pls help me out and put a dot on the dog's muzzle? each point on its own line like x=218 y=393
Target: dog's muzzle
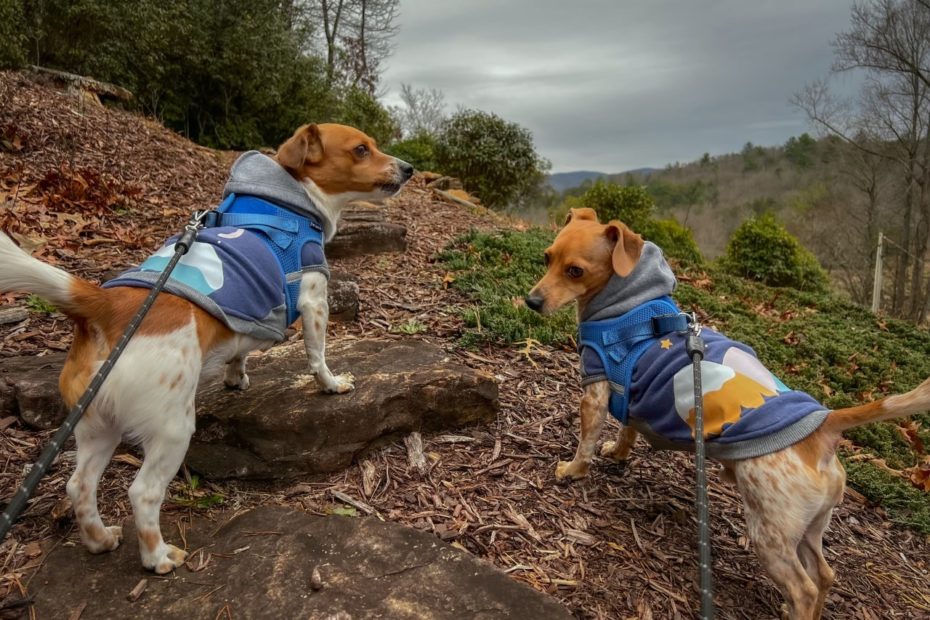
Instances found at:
x=535 y=302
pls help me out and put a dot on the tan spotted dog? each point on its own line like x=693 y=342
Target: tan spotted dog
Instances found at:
x=777 y=445
x=214 y=313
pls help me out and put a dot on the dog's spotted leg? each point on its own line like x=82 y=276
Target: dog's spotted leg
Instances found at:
x=780 y=500
x=95 y=447
x=164 y=454
x=810 y=552
x=235 y=374
x=593 y=414
x=620 y=450
x=314 y=312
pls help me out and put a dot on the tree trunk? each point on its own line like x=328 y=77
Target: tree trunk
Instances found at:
x=331 y=30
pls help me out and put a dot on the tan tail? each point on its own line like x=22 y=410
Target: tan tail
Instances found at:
x=20 y=272
x=915 y=401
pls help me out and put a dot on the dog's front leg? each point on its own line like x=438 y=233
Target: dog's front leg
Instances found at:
x=314 y=313
x=593 y=412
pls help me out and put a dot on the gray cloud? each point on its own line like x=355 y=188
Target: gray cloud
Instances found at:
x=611 y=86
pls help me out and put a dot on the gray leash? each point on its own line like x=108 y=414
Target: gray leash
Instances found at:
x=25 y=491
x=695 y=346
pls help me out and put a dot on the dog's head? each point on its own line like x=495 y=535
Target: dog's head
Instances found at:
x=581 y=260
x=342 y=163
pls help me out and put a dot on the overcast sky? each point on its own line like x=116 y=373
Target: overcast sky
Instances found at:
x=614 y=85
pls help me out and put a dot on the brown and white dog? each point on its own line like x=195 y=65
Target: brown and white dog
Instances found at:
x=788 y=495
x=149 y=396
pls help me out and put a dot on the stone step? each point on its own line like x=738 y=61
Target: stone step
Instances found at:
x=364 y=230
x=284 y=426
x=261 y=564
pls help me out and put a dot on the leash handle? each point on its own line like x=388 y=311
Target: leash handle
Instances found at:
x=28 y=487
x=694 y=344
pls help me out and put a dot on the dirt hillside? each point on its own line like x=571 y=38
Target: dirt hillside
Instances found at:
x=94 y=189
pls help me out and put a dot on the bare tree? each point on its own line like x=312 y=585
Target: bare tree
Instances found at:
x=424 y=110
x=890 y=41
x=369 y=40
x=355 y=39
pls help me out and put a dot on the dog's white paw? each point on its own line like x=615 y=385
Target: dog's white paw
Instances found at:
x=165 y=559
x=237 y=382
x=241 y=383
x=108 y=540
x=342 y=384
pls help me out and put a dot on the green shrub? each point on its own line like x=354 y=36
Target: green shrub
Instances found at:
x=761 y=249
x=497 y=270
x=675 y=240
x=360 y=110
x=631 y=204
x=418 y=151
x=495 y=159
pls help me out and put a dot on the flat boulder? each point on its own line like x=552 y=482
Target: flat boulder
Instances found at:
x=283 y=425
x=276 y=562
x=364 y=230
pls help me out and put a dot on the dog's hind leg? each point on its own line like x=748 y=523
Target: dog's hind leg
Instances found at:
x=236 y=377
x=164 y=448
x=620 y=450
x=810 y=551
x=781 y=502
x=95 y=446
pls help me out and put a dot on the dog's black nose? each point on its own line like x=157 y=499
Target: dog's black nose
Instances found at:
x=534 y=302
x=405 y=169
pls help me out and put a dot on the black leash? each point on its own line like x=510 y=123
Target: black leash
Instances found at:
x=695 y=347
x=25 y=491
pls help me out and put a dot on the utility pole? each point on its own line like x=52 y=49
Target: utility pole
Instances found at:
x=877 y=282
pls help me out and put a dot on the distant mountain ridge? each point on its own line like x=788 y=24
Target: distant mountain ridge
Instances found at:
x=561 y=181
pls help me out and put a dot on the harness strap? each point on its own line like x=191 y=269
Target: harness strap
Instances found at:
x=280 y=226
x=620 y=342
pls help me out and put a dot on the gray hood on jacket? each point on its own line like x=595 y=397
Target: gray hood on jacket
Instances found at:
x=651 y=278
x=256 y=174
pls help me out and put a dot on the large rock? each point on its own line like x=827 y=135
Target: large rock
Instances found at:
x=364 y=230
x=29 y=388
x=284 y=426
x=261 y=565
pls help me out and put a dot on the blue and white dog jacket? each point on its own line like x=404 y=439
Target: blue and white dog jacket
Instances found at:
x=246 y=265
x=641 y=352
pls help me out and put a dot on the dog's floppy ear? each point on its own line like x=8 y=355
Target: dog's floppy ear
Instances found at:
x=304 y=145
x=581 y=214
x=628 y=246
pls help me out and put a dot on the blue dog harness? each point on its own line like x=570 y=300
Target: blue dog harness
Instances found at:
x=246 y=266
x=618 y=343
x=748 y=412
x=296 y=240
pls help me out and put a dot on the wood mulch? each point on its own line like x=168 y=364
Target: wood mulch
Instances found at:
x=617 y=545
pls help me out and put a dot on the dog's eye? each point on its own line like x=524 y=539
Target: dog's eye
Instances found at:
x=361 y=151
x=574 y=272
